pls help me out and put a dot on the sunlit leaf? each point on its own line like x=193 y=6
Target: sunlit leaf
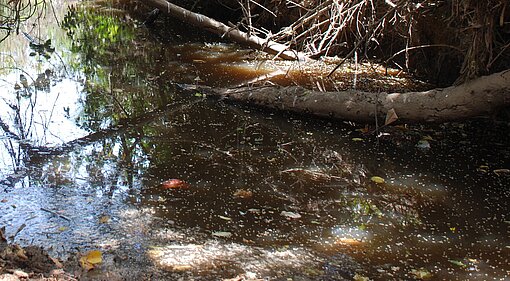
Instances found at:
x=357 y=139
x=243 y=193
x=421 y=273
x=391 y=116
x=377 y=179
x=359 y=277
x=225 y=218
x=182 y=267
x=291 y=215
x=91 y=259
x=348 y=241
x=483 y=168
x=224 y=234
x=457 y=263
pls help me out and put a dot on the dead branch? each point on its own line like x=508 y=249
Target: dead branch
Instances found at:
x=223 y=30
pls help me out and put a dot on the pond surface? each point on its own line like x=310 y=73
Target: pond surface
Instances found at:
x=94 y=122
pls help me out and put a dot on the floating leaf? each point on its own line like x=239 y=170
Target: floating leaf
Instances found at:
x=291 y=215
x=348 y=241
x=183 y=267
x=243 y=193
x=421 y=273
x=224 y=234
x=501 y=172
x=91 y=259
x=391 y=116
x=358 y=277
x=457 y=263
x=423 y=144
x=175 y=184
x=377 y=179
x=427 y=137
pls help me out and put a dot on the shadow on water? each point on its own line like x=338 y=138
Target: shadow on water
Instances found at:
x=93 y=124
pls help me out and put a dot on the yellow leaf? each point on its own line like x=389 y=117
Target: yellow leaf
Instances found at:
x=91 y=259
x=62 y=228
x=357 y=139
x=359 y=277
x=94 y=257
x=377 y=179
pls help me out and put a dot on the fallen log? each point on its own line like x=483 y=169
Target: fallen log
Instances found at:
x=481 y=96
x=232 y=33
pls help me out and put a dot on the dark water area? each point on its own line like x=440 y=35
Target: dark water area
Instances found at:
x=92 y=129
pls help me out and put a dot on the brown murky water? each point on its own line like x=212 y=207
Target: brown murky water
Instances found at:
x=270 y=195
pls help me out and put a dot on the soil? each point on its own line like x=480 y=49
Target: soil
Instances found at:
x=29 y=263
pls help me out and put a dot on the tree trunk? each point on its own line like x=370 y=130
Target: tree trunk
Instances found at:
x=223 y=30
x=481 y=96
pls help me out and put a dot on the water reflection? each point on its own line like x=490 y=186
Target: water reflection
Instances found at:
x=93 y=131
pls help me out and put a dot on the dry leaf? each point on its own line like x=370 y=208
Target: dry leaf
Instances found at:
x=175 y=184
x=243 y=193
x=91 y=259
x=104 y=219
x=391 y=116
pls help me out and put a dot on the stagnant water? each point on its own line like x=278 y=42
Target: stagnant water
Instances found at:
x=93 y=122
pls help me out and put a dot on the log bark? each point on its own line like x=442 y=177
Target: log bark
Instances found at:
x=223 y=30
x=481 y=96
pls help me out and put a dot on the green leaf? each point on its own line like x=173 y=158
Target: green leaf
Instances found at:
x=458 y=263
x=377 y=179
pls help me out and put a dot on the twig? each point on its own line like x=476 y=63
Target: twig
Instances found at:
x=56 y=214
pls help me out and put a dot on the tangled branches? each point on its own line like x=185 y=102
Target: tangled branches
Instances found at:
x=461 y=39
x=14 y=12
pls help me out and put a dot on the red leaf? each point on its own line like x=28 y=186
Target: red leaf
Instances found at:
x=175 y=184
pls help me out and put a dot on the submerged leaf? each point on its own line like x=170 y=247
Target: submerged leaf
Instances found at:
x=423 y=144
x=377 y=179
x=243 y=193
x=421 y=273
x=358 y=277
x=291 y=215
x=458 y=263
x=225 y=234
